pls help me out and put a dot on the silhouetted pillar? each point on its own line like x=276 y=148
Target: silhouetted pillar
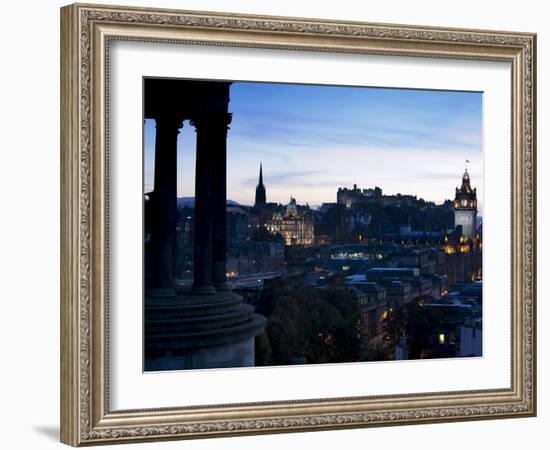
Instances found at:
x=164 y=197
x=203 y=257
x=219 y=124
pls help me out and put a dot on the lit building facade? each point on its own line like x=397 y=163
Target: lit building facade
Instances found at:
x=295 y=224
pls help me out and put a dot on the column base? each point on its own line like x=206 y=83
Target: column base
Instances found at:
x=160 y=292
x=203 y=290
x=221 y=287
x=200 y=332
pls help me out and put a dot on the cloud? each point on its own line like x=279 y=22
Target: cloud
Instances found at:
x=285 y=178
x=423 y=172
x=309 y=133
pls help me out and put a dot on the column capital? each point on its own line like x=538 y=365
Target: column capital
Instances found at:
x=167 y=121
x=208 y=119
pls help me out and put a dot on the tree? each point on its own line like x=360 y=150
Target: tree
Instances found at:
x=263 y=350
x=348 y=332
x=374 y=350
x=320 y=325
x=417 y=323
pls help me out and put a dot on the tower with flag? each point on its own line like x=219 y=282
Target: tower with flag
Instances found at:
x=465 y=207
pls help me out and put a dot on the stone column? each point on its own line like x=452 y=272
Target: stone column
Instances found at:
x=203 y=229
x=219 y=126
x=164 y=199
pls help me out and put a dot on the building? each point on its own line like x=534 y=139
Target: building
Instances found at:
x=373 y=306
x=470 y=340
x=332 y=225
x=238 y=225
x=295 y=224
x=465 y=207
x=256 y=257
x=184 y=243
x=350 y=197
x=355 y=196
x=439 y=285
x=398 y=292
x=463 y=258
x=460 y=329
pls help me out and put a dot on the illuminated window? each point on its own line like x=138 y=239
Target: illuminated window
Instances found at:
x=442 y=338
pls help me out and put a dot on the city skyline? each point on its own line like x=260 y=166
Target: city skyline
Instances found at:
x=369 y=276
x=313 y=139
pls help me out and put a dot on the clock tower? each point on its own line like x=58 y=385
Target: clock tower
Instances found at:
x=465 y=207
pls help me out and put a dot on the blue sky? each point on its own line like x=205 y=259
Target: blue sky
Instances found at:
x=313 y=139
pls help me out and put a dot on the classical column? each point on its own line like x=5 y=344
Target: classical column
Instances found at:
x=204 y=197
x=219 y=126
x=163 y=234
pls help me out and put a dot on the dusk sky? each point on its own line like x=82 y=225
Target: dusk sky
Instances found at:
x=313 y=139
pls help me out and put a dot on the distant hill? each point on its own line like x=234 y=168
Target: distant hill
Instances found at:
x=185 y=201
x=190 y=202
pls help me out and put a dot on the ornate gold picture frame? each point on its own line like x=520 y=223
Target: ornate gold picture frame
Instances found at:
x=87 y=32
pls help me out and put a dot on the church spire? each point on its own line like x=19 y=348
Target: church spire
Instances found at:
x=260 y=190
x=261 y=180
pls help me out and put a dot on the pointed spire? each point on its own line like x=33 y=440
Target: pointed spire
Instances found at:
x=261 y=180
x=260 y=199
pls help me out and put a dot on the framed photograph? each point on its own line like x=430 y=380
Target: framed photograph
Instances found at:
x=275 y=224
